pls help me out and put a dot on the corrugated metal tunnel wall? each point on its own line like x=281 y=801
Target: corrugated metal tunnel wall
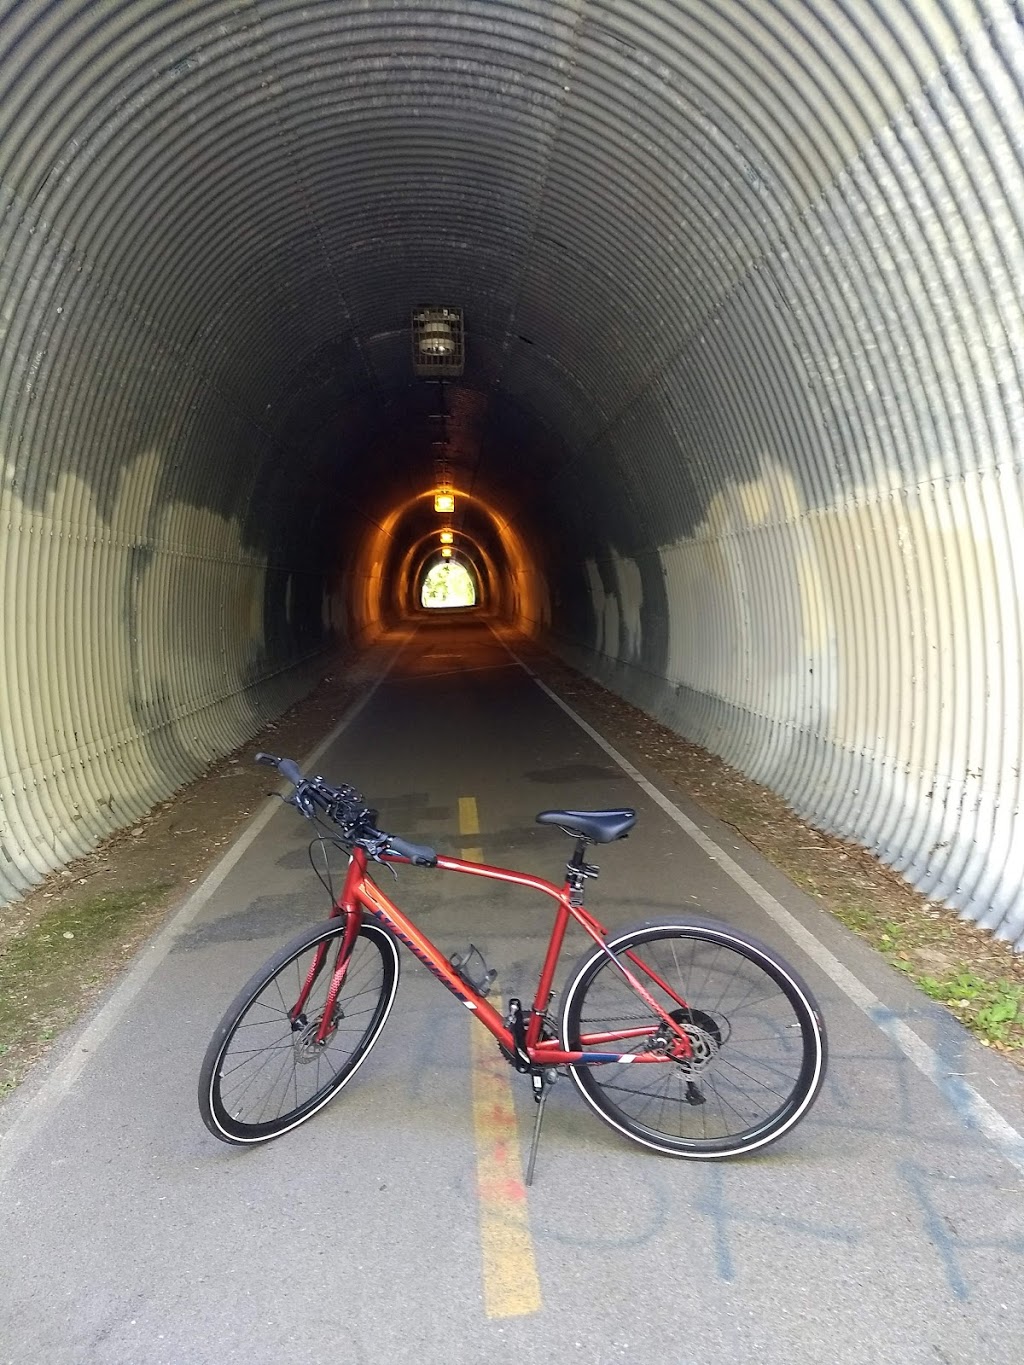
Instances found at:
x=739 y=429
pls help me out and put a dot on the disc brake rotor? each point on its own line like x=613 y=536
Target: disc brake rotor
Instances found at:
x=306 y=1045
x=706 y=1035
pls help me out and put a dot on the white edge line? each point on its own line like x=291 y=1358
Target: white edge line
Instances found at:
x=973 y=1108
x=67 y=1071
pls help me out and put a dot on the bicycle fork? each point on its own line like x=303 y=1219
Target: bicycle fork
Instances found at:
x=297 y=1013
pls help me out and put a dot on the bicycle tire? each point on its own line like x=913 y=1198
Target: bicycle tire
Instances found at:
x=238 y=1085
x=748 y=1010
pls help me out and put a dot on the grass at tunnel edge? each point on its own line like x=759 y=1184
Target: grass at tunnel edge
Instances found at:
x=72 y=936
x=979 y=980
x=54 y=966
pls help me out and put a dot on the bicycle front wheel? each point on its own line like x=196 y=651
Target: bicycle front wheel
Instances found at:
x=265 y=1072
x=757 y=1039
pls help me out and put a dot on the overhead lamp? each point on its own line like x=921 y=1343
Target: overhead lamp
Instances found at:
x=444 y=501
x=437 y=343
x=447 y=537
x=436 y=339
x=446 y=552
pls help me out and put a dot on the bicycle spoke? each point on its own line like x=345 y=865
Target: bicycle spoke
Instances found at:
x=271 y=1070
x=750 y=1043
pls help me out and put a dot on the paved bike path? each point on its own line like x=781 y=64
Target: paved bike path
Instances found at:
x=882 y=1229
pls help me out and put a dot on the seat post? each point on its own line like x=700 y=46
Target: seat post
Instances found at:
x=577 y=871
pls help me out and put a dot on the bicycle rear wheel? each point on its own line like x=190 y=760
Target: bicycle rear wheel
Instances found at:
x=264 y=1073
x=759 y=1049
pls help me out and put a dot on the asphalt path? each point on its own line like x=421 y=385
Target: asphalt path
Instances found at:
x=887 y=1227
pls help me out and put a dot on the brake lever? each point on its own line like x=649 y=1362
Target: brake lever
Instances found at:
x=375 y=850
x=304 y=807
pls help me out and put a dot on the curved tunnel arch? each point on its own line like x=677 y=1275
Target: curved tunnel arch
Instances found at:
x=389 y=560
x=739 y=431
x=489 y=578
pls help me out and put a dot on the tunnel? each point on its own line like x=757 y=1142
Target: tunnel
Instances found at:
x=733 y=426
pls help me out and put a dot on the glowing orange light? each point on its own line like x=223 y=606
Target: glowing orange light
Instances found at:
x=444 y=502
x=447 y=537
x=510 y=582
x=446 y=552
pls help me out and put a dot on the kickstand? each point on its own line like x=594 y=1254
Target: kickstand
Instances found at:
x=542 y=1083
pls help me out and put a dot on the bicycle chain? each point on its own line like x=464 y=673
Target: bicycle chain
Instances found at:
x=623 y=1019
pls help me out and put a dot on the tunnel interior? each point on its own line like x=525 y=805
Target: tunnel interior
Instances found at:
x=737 y=430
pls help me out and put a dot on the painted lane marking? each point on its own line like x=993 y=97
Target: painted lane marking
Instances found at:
x=471 y=855
x=469 y=817
x=508 y=1262
x=511 y=1284
x=971 y=1106
x=37 y=1108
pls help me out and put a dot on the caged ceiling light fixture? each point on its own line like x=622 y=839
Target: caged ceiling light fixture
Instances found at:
x=444 y=497
x=438 y=343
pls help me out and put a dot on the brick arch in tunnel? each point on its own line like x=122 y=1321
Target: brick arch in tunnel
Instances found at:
x=742 y=289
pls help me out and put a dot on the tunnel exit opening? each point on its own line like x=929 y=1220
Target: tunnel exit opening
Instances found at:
x=447 y=583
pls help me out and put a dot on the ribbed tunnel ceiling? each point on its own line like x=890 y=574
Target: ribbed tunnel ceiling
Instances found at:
x=738 y=432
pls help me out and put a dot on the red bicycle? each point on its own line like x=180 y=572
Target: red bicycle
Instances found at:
x=682 y=1033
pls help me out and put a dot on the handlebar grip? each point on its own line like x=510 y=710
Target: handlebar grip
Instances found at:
x=287 y=767
x=418 y=854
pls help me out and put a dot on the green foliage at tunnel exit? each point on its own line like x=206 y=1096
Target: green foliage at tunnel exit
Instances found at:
x=448 y=584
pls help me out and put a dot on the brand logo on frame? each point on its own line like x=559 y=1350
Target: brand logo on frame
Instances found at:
x=386 y=920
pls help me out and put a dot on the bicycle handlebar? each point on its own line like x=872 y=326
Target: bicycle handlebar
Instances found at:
x=419 y=854
x=345 y=807
x=287 y=767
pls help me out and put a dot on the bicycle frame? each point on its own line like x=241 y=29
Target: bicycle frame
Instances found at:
x=361 y=894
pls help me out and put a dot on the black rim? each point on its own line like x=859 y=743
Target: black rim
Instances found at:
x=269 y=1073
x=751 y=1032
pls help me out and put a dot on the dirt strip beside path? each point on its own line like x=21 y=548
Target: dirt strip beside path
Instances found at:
x=67 y=941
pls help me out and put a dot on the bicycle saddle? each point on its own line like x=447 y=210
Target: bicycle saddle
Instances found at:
x=599 y=826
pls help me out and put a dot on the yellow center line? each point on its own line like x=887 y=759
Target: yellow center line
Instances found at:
x=469 y=818
x=511 y=1285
